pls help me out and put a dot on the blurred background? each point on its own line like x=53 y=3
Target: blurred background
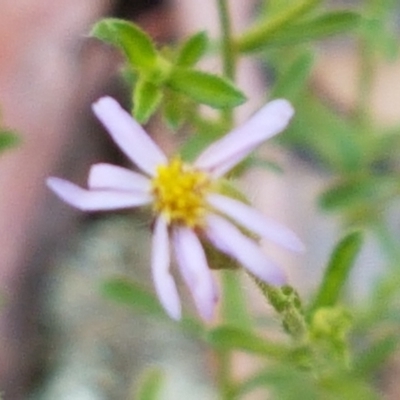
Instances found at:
x=59 y=338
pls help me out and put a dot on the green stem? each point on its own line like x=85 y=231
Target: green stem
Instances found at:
x=229 y=66
x=224 y=372
x=365 y=80
x=228 y=52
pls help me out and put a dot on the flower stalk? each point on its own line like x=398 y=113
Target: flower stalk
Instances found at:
x=228 y=51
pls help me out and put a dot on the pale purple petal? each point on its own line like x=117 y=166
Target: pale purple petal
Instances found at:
x=227 y=238
x=195 y=271
x=226 y=166
x=108 y=176
x=129 y=135
x=256 y=222
x=96 y=200
x=160 y=263
x=235 y=146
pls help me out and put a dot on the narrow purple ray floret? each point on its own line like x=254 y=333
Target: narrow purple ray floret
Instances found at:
x=185 y=204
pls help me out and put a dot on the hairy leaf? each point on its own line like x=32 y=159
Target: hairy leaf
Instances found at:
x=135 y=43
x=206 y=88
x=192 y=50
x=147 y=97
x=337 y=271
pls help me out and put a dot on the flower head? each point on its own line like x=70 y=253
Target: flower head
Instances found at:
x=186 y=203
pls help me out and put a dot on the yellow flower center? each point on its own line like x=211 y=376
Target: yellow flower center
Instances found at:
x=179 y=193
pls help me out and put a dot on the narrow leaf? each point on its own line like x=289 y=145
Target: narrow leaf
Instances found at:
x=284 y=382
x=328 y=24
x=192 y=50
x=206 y=88
x=359 y=192
x=274 y=7
x=293 y=79
x=147 y=97
x=378 y=36
x=339 y=267
x=257 y=36
x=372 y=358
x=329 y=137
x=135 y=43
x=132 y=294
x=228 y=337
x=150 y=385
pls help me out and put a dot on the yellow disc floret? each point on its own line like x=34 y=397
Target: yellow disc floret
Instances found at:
x=179 y=193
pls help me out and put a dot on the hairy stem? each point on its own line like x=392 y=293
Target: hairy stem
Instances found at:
x=365 y=79
x=227 y=50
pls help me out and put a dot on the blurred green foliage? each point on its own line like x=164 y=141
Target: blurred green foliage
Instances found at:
x=331 y=348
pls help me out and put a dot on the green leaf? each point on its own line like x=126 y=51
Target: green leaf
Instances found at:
x=290 y=83
x=274 y=7
x=357 y=192
x=328 y=24
x=150 y=385
x=129 y=76
x=147 y=97
x=337 y=272
x=8 y=139
x=379 y=27
x=258 y=35
x=229 y=337
x=269 y=165
x=219 y=260
x=284 y=382
x=345 y=194
x=371 y=359
x=329 y=137
x=206 y=88
x=345 y=386
x=378 y=38
x=132 y=294
x=135 y=43
x=192 y=50
x=234 y=308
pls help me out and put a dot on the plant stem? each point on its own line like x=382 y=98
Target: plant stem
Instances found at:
x=227 y=51
x=228 y=55
x=224 y=381
x=365 y=80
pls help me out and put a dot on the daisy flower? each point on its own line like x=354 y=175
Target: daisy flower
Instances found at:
x=186 y=203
